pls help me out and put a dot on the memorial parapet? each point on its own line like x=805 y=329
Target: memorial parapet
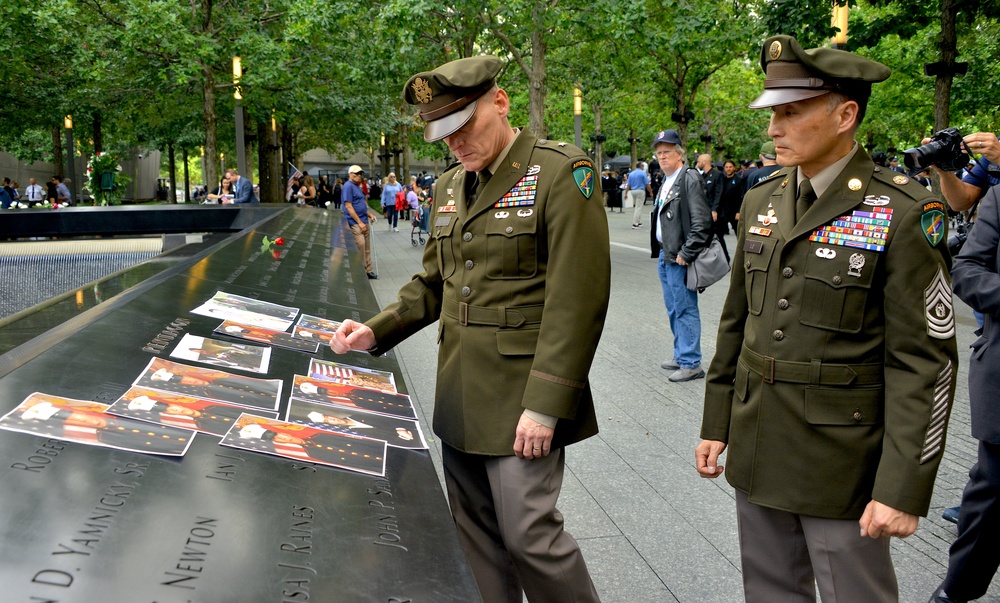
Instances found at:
x=83 y=523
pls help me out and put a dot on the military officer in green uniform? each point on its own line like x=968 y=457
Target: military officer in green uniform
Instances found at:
x=834 y=370
x=517 y=269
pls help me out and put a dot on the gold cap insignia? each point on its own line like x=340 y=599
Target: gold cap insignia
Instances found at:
x=900 y=179
x=854 y=184
x=775 y=50
x=422 y=91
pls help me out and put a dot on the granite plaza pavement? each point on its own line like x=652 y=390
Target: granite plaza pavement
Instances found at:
x=651 y=530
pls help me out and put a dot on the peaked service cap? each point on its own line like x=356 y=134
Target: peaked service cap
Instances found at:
x=447 y=96
x=795 y=74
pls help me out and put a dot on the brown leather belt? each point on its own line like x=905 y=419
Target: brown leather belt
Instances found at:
x=499 y=316
x=815 y=372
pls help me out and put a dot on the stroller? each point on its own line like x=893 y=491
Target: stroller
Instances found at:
x=420 y=227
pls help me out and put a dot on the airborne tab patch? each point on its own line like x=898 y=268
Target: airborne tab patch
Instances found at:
x=932 y=221
x=583 y=175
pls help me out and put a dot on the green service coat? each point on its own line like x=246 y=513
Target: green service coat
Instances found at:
x=834 y=371
x=536 y=279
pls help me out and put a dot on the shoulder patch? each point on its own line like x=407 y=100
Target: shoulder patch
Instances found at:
x=932 y=219
x=583 y=175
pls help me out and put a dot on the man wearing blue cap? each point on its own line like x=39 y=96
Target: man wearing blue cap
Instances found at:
x=681 y=228
x=517 y=269
x=834 y=371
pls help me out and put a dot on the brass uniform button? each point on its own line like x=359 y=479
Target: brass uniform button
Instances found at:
x=783 y=304
x=466 y=291
x=837 y=280
x=778 y=334
x=509 y=229
x=469 y=264
x=858 y=416
x=467 y=237
x=787 y=272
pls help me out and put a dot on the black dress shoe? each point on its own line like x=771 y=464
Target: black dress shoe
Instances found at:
x=951 y=514
x=372 y=276
x=939 y=597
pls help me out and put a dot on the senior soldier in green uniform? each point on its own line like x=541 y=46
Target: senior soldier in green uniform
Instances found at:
x=834 y=371
x=517 y=269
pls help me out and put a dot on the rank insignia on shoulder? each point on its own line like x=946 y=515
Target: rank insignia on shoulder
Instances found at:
x=933 y=220
x=876 y=201
x=583 y=175
x=900 y=179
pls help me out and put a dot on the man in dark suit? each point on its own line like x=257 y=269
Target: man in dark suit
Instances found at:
x=713 y=195
x=974 y=556
x=241 y=187
x=834 y=371
x=516 y=309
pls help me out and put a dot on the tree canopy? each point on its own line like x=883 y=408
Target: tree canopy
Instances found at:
x=157 y=73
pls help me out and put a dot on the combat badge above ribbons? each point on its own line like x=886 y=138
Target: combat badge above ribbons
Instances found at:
x=939 y=309
x=583 y=175
x=933 y=220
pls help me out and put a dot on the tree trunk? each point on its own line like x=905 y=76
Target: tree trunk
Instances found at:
x=404 y=140
x=598 y=145
x=248 y=140
x=634 y=150
x=57 y=154
x=98 y=143
x=942 y=86
x=268 y=164
x=172 y=163
x=208 y=117
x=187 y=177
x=536 y=80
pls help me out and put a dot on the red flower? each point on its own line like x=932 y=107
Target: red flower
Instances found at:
x=279 y=241
x=276 y=254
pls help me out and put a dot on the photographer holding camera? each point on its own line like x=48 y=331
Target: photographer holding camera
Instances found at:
x=962 y=193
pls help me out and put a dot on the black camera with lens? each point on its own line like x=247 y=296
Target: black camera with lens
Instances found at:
x=947 y=150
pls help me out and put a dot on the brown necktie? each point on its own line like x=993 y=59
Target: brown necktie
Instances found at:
x=805 y=199
x=482 y=178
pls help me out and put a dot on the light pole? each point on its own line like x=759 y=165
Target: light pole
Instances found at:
x=578 y=115
x=68 y=123
x=241 y=160
x=839 y=20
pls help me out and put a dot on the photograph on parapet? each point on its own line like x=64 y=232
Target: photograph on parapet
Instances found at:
x=241 y=356
x=352 y=375
x=316 y=323
x=281 y=339
x=307 y=334
x=199 y=382
x=89 y=423
x=308 y=445
x=248 y=311
x=207 y=416
x=352 y=396
x=396 y=431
